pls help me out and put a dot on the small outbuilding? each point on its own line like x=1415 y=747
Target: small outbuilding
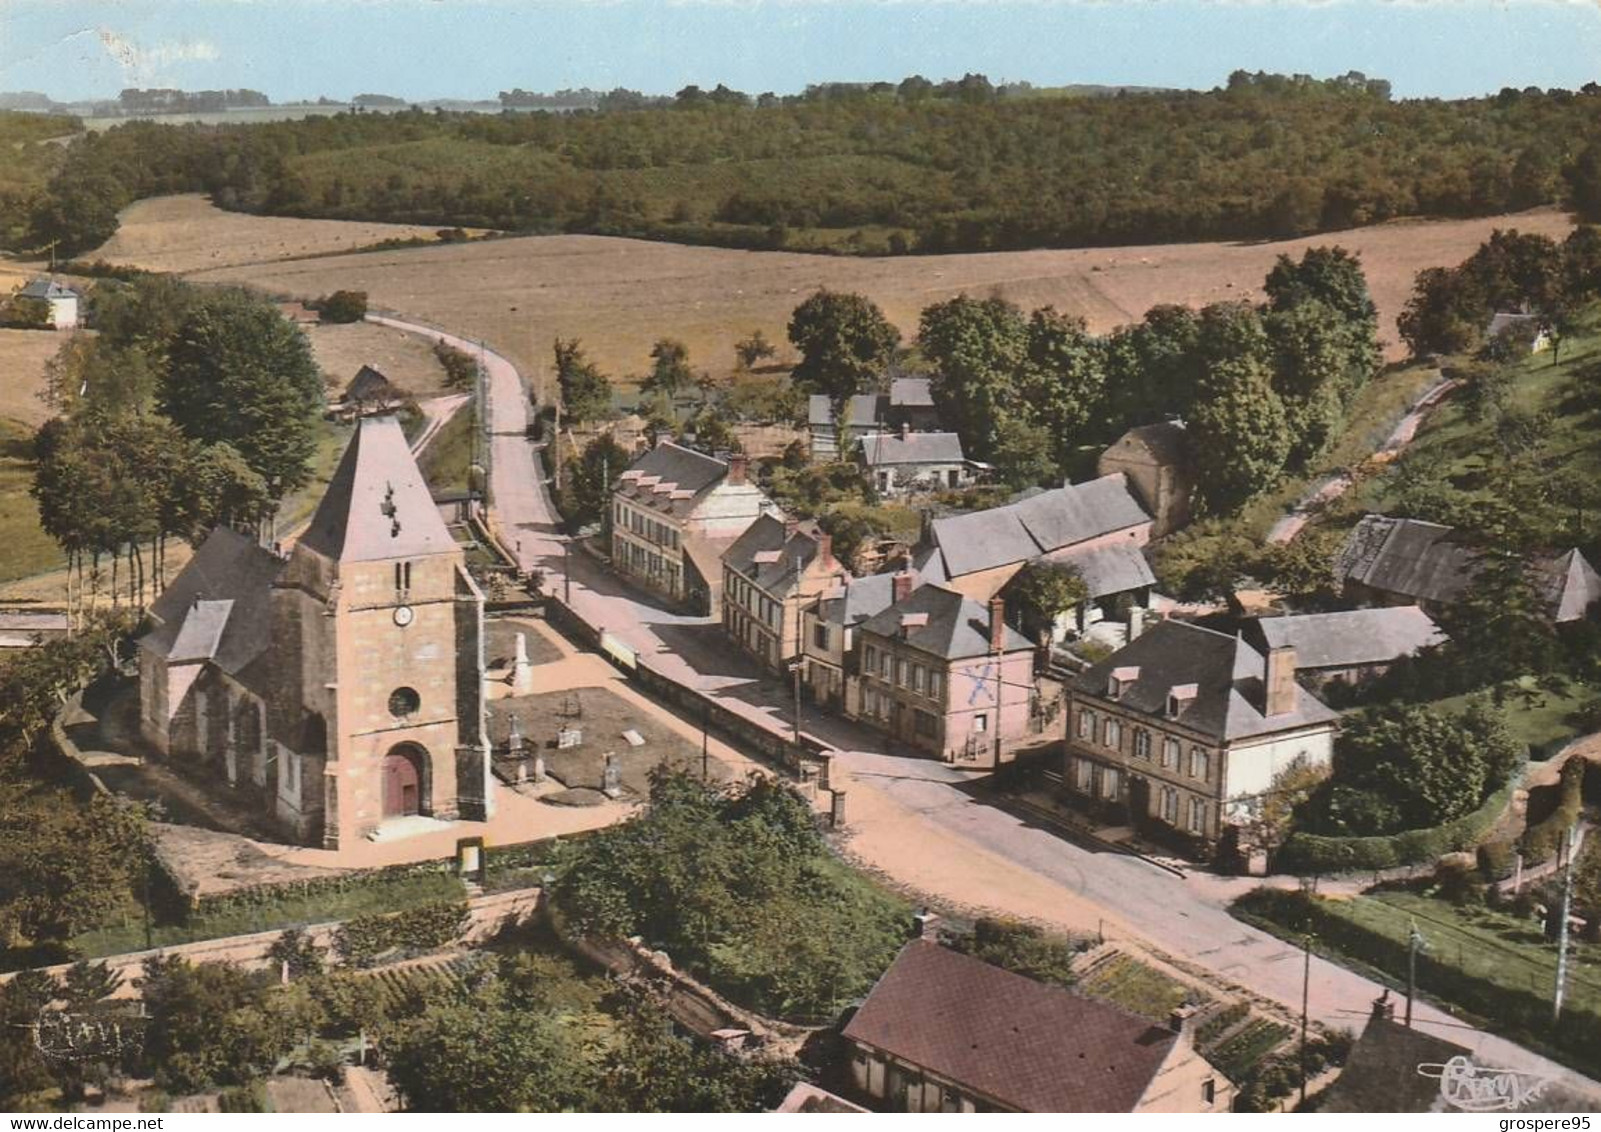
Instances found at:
x=60 y=301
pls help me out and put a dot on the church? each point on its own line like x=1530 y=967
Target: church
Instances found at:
x=338 y=686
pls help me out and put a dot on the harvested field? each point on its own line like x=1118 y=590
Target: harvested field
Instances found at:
x=620 y=295
x=23 y=354
x=405 y=359
x=187 y=233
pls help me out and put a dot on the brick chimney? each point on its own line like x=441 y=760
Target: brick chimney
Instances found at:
x=1280 y=682
x=1179 y=1020
x=925 y=925
x=1383 y=1007
x=738 y=464
x=901 y=586
x=825 y=551
x=906 y=429
x=997 y=625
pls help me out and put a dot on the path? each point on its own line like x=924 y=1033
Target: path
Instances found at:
x=923 y=823
x=438 y=411
x=1330 y=489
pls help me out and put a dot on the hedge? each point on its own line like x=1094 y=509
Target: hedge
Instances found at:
x=428 y=927
x=1510 y=1010
x=1308 y=854
x=1542 y=839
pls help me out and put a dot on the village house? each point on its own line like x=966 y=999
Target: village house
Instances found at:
x=1390 y=561
x=904 y=463
x=945 y=674
x=60 y=302
x=337 y=689
x=1350 y=647
x=771 y=573
x=1184 y=730
x=1097 y=527
x=674 y=512
x=370 y=392
x=909 y=404
x=829 y=639
x=945 y=1032
x=1157 y=460
x=1522 y=328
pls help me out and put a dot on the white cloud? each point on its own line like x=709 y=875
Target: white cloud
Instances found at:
x=151 y=66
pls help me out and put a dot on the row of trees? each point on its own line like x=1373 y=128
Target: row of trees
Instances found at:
x=918 y=166
x=190 y=408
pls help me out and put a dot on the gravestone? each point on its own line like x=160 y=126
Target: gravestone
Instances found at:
x=522 y=672
x=610 y=783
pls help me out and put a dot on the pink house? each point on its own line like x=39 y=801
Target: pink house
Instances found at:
x=945 y=674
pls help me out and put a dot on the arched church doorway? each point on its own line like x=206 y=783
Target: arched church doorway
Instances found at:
x=405 y=781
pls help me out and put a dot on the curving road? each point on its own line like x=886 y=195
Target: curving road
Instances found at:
x=1185 y=917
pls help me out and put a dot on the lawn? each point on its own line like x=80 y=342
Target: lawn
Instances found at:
x=1137 y=987
x=1544 y=720
x=298 y=506
x=285 y=911
x=28 y=550
x=448 y=458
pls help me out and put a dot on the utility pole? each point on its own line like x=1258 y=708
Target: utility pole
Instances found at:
x=1562 y=926
x=1414 y=940
x=705 y=742
x=796 y=663
x=1306 y=991
x=567 y=572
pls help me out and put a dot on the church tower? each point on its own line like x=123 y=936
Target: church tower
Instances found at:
x=380 y=628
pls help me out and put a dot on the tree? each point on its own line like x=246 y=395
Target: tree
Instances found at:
x=586 y=489
x=977 y=348
x=1063 y=382
x=585 y=391
x=1583 y=177
x=1045 y=592
x=1445 y=314
x=210 y=1024
x=240 y=373
x=1021 y=948
x=64 y=867
x=655 y=1070
x=670 y=372
x=754 y=349
x=1240 y=434
x=1022 y=454
x=845 y=344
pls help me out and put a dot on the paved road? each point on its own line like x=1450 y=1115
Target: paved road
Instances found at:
x=1187 y=917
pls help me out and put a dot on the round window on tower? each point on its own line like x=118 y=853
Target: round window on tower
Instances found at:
x=404 y=702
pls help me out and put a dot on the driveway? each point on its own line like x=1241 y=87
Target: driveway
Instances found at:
x=1185 y=918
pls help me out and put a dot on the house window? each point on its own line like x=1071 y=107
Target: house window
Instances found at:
x=1197 y=815
x=1170 y=752
x=981 y=723
x=1112 y=734
x=900 y=671
x=820 y=635
x=924 y=724
x=1086 y=724
x=1109 y=783
x=883 y=666
x=1086 y=775
x=402 y=576
x=917 y=678
x=1142 y=743
x=1200 y=763
x=1170 y=805
x=934 y=681
x=868 y=657
x=1208 y=1091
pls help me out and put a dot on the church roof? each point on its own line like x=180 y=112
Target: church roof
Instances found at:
x=218 y=607
x=377 y=505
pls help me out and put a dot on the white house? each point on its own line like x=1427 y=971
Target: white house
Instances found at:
x=60 y=300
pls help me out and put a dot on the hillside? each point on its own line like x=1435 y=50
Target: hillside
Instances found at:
x=620 y=295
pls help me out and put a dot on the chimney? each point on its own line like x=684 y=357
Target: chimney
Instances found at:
x=1383 y=1007
x=1280 y=682
x=925 y=925
x=901 y=586
x=997 y=625
x=825 y=551
x=791 y=528
x=906 y=429
x=738 y=463
x=1179 y=1020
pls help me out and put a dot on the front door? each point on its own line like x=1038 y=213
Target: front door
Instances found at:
x=1139 y=801
x=402 y=790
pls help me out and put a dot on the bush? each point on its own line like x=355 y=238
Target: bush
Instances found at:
x=1541 y=840
x=428 y=927
x=343 y=306
x=1498 y=859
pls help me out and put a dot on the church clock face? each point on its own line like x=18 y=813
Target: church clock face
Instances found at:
x=403 y=615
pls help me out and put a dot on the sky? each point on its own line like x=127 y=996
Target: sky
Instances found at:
x=427 y=49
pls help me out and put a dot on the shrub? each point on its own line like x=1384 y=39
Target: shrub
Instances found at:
x=1497 y=859
x=343 y=306
x=1312 y=855
x=1541 y=840
x=428 y=927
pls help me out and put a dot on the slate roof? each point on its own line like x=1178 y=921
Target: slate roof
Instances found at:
x=1227 y=674
x=675 y=478
x=1024 y=1045
x=957 y=627
x=1112 y=569
x=766 y=553
x=1352 y=638
x=1039 y=524
x=1568 y=584
x=857 y=600
x=1406 y=556
x=47 y=289
x=863 y=410
x=370 y=384
x=911 y=393
x=1381 y=1072
x=377 y=505
x=1167 y=441
x=1505 y=320
x=881 y=449
x=218 y=608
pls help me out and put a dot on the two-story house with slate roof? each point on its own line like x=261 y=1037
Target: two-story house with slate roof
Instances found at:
x=945 y=1032
x=674 y=512
x=772 y=572
x=1184 y=730
x=945 y=674
x=832 y=660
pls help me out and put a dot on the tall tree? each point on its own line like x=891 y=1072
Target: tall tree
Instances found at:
x=585 y=391
x=845 y=344
x=240 y=373
x=1240 y=434
x=978 y=348
x=1063 y=382
x=670 y=372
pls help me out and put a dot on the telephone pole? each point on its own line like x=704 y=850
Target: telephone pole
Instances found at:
x=1306 y=991
x=1414 y=940
x=1562 y=926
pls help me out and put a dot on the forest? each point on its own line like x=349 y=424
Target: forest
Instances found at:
x=913 y=167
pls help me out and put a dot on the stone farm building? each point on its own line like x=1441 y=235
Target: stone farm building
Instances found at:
x=1157 y=461
x=337 y=687
x=945 y=1032
x=909 y=404
x=830 y=632
x=1350 y=647
x=674 y=513
x=905 y=463
x=1183 y=730
x=60 y=302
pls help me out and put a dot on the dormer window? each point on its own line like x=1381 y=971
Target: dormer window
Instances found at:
x=1179 y=697
x=1121 y=680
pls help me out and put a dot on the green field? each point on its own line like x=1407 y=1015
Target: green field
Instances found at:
x=28 y=550
x=1544 y=720
x=447 y=461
